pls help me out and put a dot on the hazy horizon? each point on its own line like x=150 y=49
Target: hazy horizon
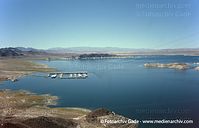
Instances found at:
x=134 y=24
x=82 y=47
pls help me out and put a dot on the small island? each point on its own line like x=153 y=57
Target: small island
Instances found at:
x=178 y=66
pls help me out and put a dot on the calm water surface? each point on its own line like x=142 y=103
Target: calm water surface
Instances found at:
x=124 y=86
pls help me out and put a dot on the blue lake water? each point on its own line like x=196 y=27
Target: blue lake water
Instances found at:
x=124 y=86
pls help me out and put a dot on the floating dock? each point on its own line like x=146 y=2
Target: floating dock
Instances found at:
x=69 y=75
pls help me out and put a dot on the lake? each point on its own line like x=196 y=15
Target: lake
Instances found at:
x=124 y=86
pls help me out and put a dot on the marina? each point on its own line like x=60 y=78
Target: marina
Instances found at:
x=69 y=75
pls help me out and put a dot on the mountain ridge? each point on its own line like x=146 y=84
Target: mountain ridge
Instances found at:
x=23 y=51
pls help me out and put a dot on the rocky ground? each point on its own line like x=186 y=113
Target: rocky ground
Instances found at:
x=12 y=69
x=179 y=66
x=21 y=109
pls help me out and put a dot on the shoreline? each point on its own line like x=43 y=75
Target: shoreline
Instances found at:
x=24 y=109
x=19 y=107
x=13 y=69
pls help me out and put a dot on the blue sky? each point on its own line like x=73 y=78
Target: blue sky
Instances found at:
x=99 y=23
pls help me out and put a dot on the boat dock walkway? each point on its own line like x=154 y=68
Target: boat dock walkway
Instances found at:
x=69 y=75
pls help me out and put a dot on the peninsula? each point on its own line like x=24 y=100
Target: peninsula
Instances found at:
x=12 y=68
x=22 y=109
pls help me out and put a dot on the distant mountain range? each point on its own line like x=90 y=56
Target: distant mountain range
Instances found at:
x=93 y=50
x=125 y=51
x=4 y=52
x=28 y=49
x=22 y=51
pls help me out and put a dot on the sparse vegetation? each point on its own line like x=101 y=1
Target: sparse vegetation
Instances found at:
x=12 y=69
x=179 y=66
x=22 y=109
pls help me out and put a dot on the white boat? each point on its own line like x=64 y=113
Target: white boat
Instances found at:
x=79 y=75
x=74 y=75
x=53 y=76
x=61 y=76
x=70 y=76
x=84 y=75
